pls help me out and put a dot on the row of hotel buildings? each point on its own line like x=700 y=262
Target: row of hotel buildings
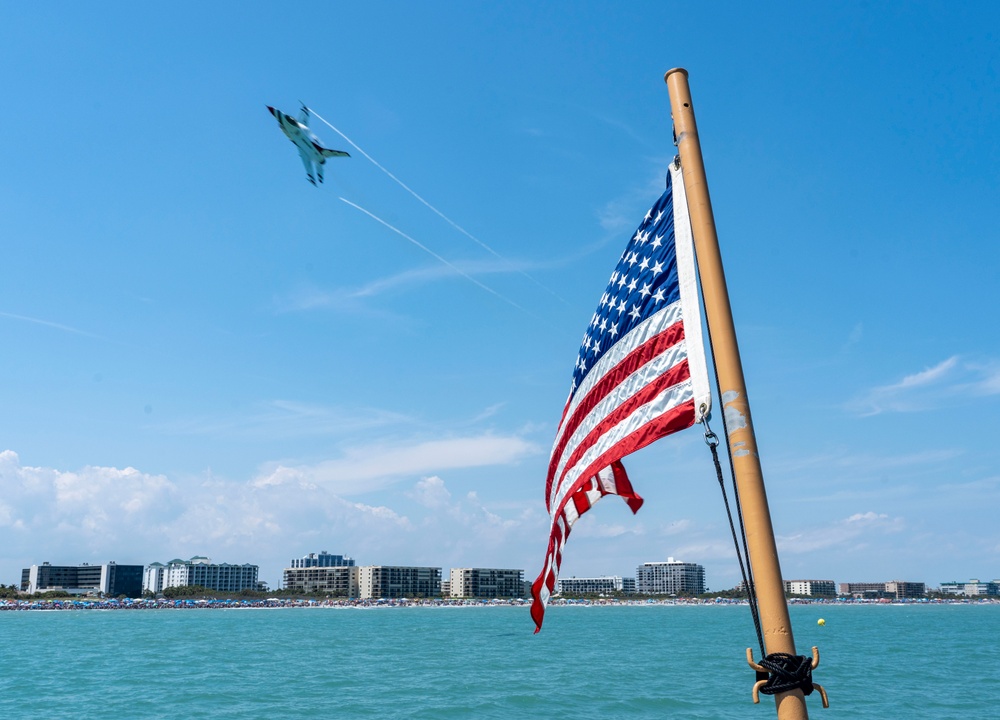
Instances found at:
x=893 y=589
x=339 y=576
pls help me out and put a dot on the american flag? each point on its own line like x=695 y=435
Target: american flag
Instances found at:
x=640 y=375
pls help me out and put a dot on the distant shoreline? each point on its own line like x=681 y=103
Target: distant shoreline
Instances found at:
x=49 y=605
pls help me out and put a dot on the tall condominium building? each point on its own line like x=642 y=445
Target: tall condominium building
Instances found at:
x=337 y=580
x=154 y=577
x=670 y=578
x=894 y=589
x=385 y=581
x=200 y=571
x=323 y=559
x=903 y=589
x=111 y=579
x=814 y=588
x=595 y=585
x=973 y=587
x=486 y=583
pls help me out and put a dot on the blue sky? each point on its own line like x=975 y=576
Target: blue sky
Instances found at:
x=201 y=353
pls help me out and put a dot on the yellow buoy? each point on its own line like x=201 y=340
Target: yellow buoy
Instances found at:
x=821 y=621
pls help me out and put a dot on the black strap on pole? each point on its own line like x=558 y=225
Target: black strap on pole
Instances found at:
x=712 y=440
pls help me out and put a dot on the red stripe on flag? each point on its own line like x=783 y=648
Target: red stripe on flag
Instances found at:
x=553 y=557
x=675 y=376
x=679 y=418
x=632 y=362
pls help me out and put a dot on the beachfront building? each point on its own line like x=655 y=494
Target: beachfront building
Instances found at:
x=672 y=577
x=387 y=581
x=154 y=577
x=811 y=588
x=485 y=583
x=868 y=590
x=322 y=559
x=335 y=580
x=971 y=588
x=110 y=579
x=902 y=589
x=222 y=577
x=607 y=585
x=892 y=590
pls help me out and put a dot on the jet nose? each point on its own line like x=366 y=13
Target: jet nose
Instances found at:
x=273 y=111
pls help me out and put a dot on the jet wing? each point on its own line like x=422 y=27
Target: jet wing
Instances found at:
x=304 y=116
x=307 y=161
x=327 y=152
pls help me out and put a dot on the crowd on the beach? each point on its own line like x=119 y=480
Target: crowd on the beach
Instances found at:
x=215 y=603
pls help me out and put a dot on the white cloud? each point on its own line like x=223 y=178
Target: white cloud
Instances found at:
x=678 y=527
x=309 y=297
x=706 y=549
x=912 y=393
x=585 y=529
x=950 y=383
x=286 y=418
x=97 y=514
x=852 y=533
x=431 y=492
x=866 y=517
x=95 y=506
x=383 y=513
x=368 y=468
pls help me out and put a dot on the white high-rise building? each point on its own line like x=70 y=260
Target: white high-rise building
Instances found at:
x=153 y=578
x=200 y=571
x=812 y=588
x=486 y=583
x=323 y=559
x=670 y=578
x=337 y=580
x=595 y=585
x=973 y=587
x=387 y=581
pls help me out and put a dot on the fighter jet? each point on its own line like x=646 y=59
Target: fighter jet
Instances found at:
x=310 y=150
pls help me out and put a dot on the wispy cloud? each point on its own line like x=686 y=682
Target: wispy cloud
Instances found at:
x=854 y=532
x=853 y=338
x=624 y=127
x=53 y=325
x=286 y=418
x=620 y=216
x=849 y=459
x=949 y=383
x=363 y=469
x=309 y=297
x=607 y=530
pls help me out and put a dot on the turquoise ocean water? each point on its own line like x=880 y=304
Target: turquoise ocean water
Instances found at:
x=894 y=661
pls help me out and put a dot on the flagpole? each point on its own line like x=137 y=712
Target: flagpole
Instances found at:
x=775 y=622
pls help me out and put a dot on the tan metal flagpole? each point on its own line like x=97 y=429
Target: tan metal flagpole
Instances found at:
x=775 y=623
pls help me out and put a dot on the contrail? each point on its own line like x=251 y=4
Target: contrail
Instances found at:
x=47 y=323
x=433 y=254
x=434 y=209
